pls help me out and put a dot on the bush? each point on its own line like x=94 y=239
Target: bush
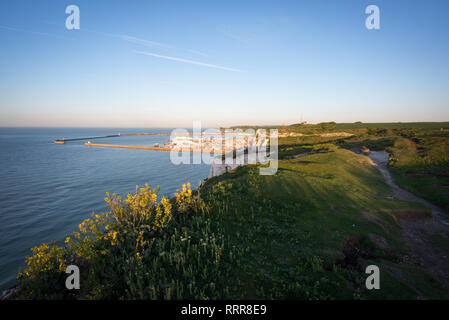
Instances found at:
x=327 y=126
x=141 y=248
x=45 y=273
x=323 y=147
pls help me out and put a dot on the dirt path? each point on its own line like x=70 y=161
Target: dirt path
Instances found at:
x=416 y=228
x=380 y=159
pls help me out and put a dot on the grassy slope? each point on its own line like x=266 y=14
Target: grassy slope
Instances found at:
x=291 y=229
x=308 y=232
x=351 y=127
x=421 y=165
x=419 y=158
x=394 y=125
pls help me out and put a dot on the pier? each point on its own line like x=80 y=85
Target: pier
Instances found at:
x=177 y=145
x=90 y=144
x=63 y=141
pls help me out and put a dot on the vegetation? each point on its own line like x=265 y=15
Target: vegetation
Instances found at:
x=139 y=249
x=420 y=164
x=419 y=159
x=356 y=127
x=307 y=232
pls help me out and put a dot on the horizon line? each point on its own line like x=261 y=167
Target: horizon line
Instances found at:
x=221 y=126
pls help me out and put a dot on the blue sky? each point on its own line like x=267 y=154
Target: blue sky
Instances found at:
x=167 y=63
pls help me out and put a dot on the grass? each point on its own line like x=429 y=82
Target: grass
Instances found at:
x=419 y=158
x=356 y=127
x=420 y=164
x=293 y=227
x=307 y=232
x=441 y=241
x=394 y=125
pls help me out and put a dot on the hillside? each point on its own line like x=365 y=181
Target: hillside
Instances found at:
x=307 y=232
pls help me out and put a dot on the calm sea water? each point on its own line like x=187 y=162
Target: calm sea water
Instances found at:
x=46 y=189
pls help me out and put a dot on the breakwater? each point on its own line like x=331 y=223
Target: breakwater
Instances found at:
x=63 y=141
x=165 y=148
x=89 y=144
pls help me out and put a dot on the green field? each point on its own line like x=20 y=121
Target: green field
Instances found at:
x=419 y=152
x=395 y=125
x=419 y=160
x=350 y=127
x=307 y=232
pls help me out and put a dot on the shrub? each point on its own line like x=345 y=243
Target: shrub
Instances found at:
x=44 y=273
x=140 y=248
x=322 y=147
x=327 y=126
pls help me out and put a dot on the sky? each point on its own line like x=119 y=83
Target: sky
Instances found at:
x=167 y=63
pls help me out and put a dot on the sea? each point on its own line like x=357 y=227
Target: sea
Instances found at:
x=48 y=189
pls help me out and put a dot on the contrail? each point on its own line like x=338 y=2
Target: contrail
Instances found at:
x=187 y=61
x=157 y=44
x=33 y=32
x=141 y=41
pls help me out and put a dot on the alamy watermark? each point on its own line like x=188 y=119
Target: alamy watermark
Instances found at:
x=73 y=20
x=225 y=149
x=373 y=280
x=373 y=20
x=73 y=280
